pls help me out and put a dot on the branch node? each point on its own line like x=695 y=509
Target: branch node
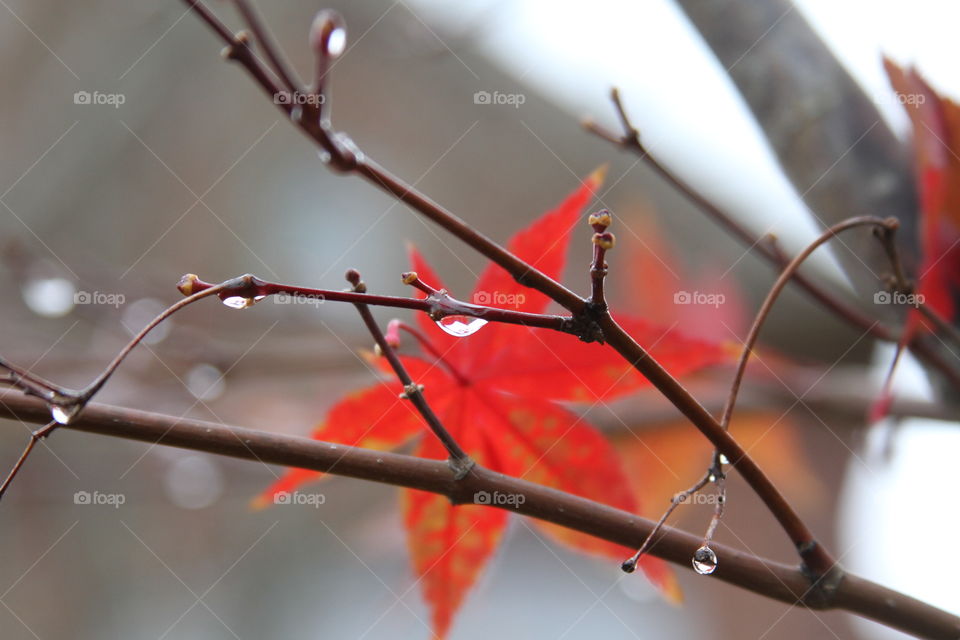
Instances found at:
x=410 y=390
x=460 y=466
x=824 y=586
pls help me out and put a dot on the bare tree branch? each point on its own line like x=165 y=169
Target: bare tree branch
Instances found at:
x=768 y=578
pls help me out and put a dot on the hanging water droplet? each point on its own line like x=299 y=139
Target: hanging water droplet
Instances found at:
x=461 y=326
x=724 y=459
x=63 y=415
x=325 y=157
x=239 y=302
x=712 y=478
x=704 y=561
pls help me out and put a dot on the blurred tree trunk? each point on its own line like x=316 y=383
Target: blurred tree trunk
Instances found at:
x=828 y=135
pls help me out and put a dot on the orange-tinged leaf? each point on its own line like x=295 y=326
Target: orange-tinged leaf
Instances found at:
x=670 y=457
x=450 y=545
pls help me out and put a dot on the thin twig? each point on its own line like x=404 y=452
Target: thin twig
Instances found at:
x=460 y=462
x=35 y=437
x=345 y=157
x=438 y=305
x=630 y=141
x=272 y=51
x=785 y=277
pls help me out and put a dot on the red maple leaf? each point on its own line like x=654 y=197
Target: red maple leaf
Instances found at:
x=496 y=392
x=936 y=141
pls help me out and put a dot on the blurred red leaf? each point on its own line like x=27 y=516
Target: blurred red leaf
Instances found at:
x=936 y=141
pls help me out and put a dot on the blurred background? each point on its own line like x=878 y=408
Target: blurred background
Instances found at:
x=178 y=164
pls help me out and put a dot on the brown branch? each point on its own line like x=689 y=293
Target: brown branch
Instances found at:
x=630 y=141
x=343 y=155
x=439 y=305
x=768 y=578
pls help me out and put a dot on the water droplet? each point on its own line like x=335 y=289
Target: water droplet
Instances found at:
x=724 y=459
x=629 y=565
x=712 y=478
x=64 y=415
x=336 y=42
x=49 y=297
x=704 y=561
x=461 y=326
x=324 y=157
x=240 y=302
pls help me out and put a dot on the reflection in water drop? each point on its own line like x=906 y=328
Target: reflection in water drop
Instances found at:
x=336 y=42
x=64 y=415
x=49 y=297
x=724 y=459
x=704 y=561
x=239 y=302
x=461 y=326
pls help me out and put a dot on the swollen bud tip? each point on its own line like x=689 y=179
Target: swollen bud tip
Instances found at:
x=352 y=276
x=392 y=335
x=605 y=240
x=600 y=220
x=328 y=34
x=409 y=277
x=186 y=284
